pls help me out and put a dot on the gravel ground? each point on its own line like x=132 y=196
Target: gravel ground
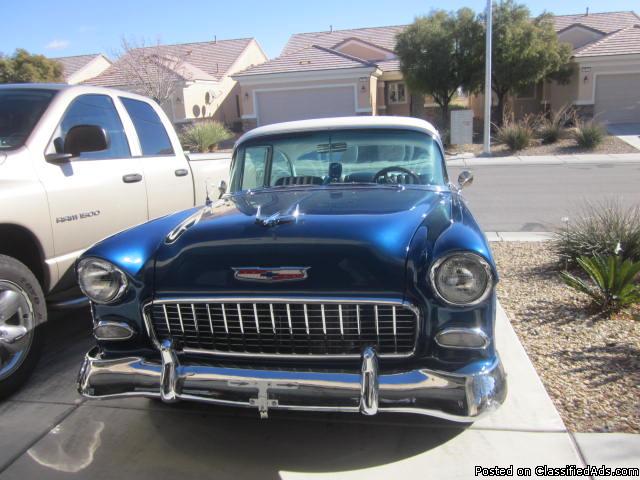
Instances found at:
x=562 y=147
x=589 y=365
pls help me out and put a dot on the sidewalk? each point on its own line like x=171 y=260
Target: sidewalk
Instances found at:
x=469 y=160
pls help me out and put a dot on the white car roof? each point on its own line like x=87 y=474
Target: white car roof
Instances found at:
x=341 y=123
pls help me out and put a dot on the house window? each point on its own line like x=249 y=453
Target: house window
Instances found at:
x=397 y=93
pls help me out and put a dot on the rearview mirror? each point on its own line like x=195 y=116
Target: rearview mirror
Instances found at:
x=85 y=138
x=465 y=179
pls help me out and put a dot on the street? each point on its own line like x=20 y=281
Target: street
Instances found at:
x=530 y=198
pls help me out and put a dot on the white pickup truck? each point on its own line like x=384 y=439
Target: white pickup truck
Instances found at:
x=77 y=164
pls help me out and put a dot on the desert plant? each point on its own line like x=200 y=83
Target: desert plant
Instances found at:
x=516 y=135
x=600 y=228
x=612 y=281
x=588 y=134
x=203 y=136
x=551 y=128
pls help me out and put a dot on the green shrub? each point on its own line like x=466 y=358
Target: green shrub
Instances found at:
x=604 y=229
x=611 y=283
x=204 y=136
x=550 y=132
x=552 y=128
x=515 y=135
x=588 y=135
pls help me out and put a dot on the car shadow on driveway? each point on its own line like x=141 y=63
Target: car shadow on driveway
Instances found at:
x=194 y=442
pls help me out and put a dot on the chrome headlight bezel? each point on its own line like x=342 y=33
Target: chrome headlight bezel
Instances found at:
x=121 y=277
x=468 y=255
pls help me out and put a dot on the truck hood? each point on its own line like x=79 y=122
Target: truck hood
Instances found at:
x=349 y=239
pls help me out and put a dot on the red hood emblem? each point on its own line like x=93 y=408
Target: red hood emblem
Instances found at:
x=276 y=274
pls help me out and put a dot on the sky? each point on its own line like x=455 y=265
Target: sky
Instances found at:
x=74 y=27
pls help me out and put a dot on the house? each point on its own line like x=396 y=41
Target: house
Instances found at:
x=80 y=68
x=324 y=74
x=605 y=84
x=198 y=76
x=355 y=72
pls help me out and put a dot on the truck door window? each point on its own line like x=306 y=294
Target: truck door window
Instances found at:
x=154 y=139
x=95 y=110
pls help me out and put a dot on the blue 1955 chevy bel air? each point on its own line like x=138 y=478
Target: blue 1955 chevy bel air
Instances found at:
x=341 y=272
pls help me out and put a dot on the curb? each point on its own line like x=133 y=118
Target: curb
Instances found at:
x=519 y=236
x=577 y=159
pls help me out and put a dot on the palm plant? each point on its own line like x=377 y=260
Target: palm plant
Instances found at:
x=612 y=281
x=204 y=136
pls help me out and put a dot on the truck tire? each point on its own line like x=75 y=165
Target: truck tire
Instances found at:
x=23 y=312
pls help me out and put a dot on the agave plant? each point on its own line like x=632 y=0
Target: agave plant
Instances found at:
x=612 y=281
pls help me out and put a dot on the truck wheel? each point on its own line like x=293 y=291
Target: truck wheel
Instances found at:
x=23 y=312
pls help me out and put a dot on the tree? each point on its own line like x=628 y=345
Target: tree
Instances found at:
x=22 y=67
x=440 y=53
x=153 y=70
x=525 y=51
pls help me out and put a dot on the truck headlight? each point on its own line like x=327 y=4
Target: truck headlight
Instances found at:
x=101 y=281
x=461 y=278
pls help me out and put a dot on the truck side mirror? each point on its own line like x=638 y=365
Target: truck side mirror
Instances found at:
x=222 y=188
x=85 y=138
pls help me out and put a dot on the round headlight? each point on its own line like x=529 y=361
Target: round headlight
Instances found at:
x=101 y=281
x=462 y=279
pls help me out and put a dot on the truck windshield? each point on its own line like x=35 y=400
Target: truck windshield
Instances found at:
x=380 y=156
x=20 y=110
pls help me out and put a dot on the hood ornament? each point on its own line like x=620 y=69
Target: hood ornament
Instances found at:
x=275 y=274
x=277 y=218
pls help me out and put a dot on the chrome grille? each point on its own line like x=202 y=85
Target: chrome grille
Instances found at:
x=267 y=328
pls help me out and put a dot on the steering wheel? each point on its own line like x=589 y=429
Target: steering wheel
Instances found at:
x=385 y=171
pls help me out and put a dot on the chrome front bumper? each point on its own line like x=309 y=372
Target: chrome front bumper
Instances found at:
x=452 y=396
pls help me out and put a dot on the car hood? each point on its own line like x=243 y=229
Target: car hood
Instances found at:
x=349 y=240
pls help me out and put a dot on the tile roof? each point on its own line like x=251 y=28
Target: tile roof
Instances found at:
x=199 y=61
x=606 y=22
x=71 y=65
x=385 y=37
x=622 y=42
x=308 y=59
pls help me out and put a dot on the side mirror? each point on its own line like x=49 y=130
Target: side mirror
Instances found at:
x=222 y=188
x=465 y=179
x=85 y=138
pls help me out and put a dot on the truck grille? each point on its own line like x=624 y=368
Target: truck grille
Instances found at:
x=330 y=329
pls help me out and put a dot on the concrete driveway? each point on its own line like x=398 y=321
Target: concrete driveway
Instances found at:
x=47 y=431
x=627 y=132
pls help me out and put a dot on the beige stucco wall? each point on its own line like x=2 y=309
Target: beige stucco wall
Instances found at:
x=557 y=95
x=578 y=36
x=222 y=101
x=363 y=51
x=590 y=69
x=92 y=69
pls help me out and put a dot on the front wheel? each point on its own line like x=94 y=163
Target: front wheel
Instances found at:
x=23 y=312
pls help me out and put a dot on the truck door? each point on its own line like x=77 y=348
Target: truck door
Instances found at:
x=95 y=194
x=168 y=175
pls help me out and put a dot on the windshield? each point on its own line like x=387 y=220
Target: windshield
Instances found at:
x=20 y=110
x=381 y=156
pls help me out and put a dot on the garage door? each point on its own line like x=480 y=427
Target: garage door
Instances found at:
x=285 y=105
x=618 y=98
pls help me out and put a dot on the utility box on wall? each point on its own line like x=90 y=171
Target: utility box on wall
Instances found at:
x=461 y=127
